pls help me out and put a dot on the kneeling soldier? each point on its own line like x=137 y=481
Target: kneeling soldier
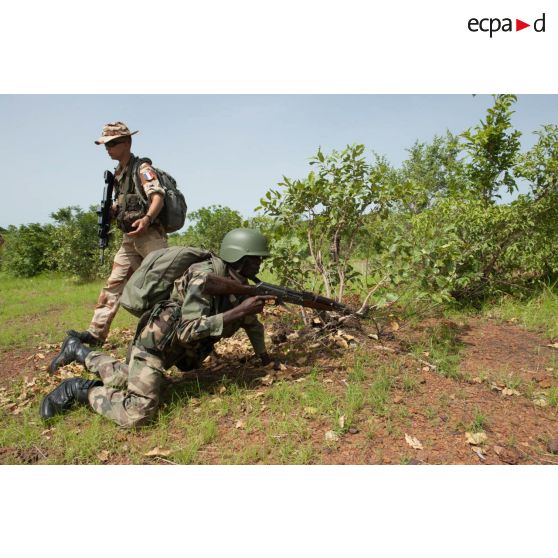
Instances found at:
x=179 y=331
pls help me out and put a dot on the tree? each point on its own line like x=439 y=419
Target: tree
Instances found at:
x=74 y=247
x=493 y=147
x=211 y=224
x=540 y=164
x=328 y=208
x=431 y=171
x=25 y=253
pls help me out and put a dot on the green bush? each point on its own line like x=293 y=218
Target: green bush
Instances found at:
x=210 y=225
x=74 y=246
x=24 y=253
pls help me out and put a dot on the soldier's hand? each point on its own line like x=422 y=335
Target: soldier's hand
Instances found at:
x=254 y=304
x=140 y=226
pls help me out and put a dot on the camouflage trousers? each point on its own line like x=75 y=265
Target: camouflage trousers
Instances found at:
x=130 y=393
x=126 y=261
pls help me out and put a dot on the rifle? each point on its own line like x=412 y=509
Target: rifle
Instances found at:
x=219 y=286
x=104 y=214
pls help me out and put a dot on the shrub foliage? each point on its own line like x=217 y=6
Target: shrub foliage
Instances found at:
x=436 y=226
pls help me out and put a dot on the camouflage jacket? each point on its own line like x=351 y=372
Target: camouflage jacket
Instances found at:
x=148 y=178
x=186 y=327
x=129 y=205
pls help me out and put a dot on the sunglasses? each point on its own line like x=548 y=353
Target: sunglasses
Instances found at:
x=115 y=142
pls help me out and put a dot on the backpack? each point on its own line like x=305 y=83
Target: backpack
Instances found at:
x=173 y=214
x=153 y=281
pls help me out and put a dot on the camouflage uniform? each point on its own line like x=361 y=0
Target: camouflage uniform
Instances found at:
x=131 y=253
x=181 y=330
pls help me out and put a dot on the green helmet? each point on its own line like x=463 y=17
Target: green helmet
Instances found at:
x=243 y=242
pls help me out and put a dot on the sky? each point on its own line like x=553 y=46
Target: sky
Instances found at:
x=221 y=149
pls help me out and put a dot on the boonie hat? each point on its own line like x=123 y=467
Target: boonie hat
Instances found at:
x=114 y=130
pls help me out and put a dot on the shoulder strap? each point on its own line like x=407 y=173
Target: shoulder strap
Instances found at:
x=134 y=174
x=219 y=267
x=125 y=189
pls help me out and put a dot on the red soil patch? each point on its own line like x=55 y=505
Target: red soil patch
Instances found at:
x=23 y=363
x=434 y=409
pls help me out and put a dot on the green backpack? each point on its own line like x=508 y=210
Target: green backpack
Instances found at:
x=153 y=281
x=173 y=214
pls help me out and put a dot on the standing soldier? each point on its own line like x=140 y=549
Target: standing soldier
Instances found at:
x=179 y=331
x=142 y=231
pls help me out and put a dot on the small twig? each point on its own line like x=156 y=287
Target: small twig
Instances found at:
x=166 y=460
x=304 y=316
x=39 y=450
x=425 y=362
x=390 y=350
x=362 y=309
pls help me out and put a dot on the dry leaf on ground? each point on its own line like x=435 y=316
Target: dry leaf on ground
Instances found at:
x=540 y=402
x=239 y=424
x=413 y=442
x=331 y=436
x=476 y=438
x=509 y=391
x=157 y=452
x=341 y=342
x=342 y=421
x=267 y=380
x=103 y=456
x=507 y=455
x=479 y=452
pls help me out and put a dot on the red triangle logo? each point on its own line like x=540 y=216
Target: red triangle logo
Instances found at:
x=519 y=25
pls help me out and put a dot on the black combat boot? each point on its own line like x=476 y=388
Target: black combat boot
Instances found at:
x=86 y=337
x=72 y=350
x=69 y=391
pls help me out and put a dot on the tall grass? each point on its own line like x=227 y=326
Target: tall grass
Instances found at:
x=538 y=313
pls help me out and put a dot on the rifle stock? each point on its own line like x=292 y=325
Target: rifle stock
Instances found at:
x=222 y=286
x=104 y=214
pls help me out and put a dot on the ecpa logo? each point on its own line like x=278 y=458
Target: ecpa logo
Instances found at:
x=494 y=24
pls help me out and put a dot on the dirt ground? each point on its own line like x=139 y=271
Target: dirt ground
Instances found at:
x=496 y=358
